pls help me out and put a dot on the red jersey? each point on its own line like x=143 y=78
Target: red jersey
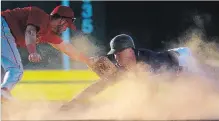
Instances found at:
x=19 y=18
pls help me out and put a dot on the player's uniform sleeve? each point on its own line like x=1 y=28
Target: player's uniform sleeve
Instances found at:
x=53 y=38
x=37 y=17
x=184 y=53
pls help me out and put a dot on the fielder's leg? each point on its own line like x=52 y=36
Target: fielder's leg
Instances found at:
x=10 y=61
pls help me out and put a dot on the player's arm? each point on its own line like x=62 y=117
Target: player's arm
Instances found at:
x=30 y=41
x=30 y=38
x=88 y=93
x=35 y=20
x=107 y=72
x=92 y=90
x=71 y=51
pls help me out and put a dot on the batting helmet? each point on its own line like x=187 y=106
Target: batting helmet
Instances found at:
x=120 y=42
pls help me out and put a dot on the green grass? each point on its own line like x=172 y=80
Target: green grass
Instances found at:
x=52 y=91
x=52 y=85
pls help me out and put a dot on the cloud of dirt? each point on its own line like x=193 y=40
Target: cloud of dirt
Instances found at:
x=88 y=45
x=163 y=97
x=142 y=95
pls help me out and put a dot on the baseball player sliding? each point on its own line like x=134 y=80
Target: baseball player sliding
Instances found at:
x=26 y=27
x=126 y=56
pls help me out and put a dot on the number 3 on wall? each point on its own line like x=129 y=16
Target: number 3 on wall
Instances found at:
x=87 y=26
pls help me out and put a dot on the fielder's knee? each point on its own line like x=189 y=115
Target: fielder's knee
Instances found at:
x=12 y=77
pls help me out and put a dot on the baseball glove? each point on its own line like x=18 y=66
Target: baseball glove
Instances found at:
x=103 y=67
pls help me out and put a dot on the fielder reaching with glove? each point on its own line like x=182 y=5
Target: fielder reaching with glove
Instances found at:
x=126 y=56
x=25 y=27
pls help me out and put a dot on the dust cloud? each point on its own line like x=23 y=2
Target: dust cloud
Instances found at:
x=87 y=45
x=140 y=95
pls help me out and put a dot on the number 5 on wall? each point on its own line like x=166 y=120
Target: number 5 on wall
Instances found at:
x=87 y=26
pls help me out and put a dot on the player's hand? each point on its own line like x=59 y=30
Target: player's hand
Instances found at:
x=74 y=104
x=92 y=60
x=69 y=105
x=34 y=57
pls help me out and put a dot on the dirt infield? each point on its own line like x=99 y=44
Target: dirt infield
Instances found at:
x=188 y=97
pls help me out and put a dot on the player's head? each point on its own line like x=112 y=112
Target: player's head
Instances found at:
x=61 y=18
x=122 y=46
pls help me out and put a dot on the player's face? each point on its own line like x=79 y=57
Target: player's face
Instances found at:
x=59 y=25
x=126 y=57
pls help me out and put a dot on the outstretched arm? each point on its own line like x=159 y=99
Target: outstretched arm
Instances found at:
x=107 y=71
x=92 y=90
x=88 y=93
x=72 y=52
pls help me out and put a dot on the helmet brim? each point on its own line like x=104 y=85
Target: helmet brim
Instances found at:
x=112 y=51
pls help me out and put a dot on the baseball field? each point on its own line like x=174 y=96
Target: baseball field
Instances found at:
x=135 y=97
x=53 y=85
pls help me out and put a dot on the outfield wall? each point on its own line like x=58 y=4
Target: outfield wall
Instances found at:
x=53 y=84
